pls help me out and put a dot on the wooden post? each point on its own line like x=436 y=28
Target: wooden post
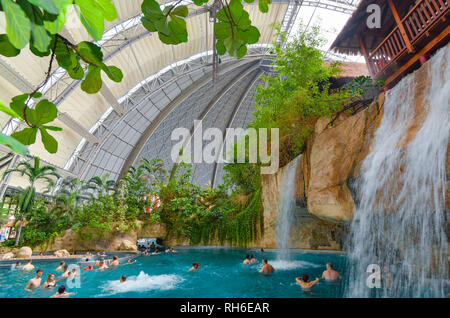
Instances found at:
x=364 y=52
x=400 y=26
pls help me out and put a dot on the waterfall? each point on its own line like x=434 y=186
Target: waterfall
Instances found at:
x=286 y=207
x=399 y=221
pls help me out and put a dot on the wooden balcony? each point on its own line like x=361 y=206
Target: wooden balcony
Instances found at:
x=410 y=38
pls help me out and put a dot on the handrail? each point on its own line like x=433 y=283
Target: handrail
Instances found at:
x=383 y=42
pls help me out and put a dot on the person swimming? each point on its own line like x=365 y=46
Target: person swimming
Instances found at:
x=18 y=265
x=50 y=282
x=172 y=250
x=195 y=267
x=156 y=252
x=66 y=272
x=102 y=264
x=114 y=262
x=330 y=274
x=123 y=278
x=61 y=292
x=61 y=266
x=28 y=266
x=246 y=260
x=305 y=283
x=267 y=268
x=253 y=259
x=34 y=282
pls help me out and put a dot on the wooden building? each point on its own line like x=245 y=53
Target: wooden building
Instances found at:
x=409 y=32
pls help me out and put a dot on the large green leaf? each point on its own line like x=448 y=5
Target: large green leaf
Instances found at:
x=41 y=39
x=54 y=23
x=26 y=136
x=68 y=60
x=45 y=112
x=18 y=26
x=90 y=18
x=263 y=5
x=13 y=144
x=148 y=24
x=152 y=10
x=113 y=72
x=93 y=81
x=8 y=110
x=47 y=5
x=6 y=48
x=50 y=143
x=91 y=53
x=107 y=8
x=181 y=11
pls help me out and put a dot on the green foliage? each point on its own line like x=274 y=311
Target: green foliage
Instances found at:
x=364 y=86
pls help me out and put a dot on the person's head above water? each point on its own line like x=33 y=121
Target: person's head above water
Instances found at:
x=39 y=272
x=66 y=267
x=61 y=289
x=305 y=278
x=18 y=264
x=62 y=263
x=264 y=261
x=247 y=256
x=123 y=278
x=29 y=261
x=114 y=258
x=329 y=266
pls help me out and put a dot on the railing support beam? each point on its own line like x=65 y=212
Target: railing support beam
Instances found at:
x=400 y=27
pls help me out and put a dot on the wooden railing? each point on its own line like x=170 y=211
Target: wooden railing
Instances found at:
x=418 y=20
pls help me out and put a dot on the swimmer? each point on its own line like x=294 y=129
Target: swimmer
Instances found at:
x=102 y=264
x=305 y=283
x=195 y=266
x=130 y=261
x=172 y=250
x=253 y=259
x=123 y=278
x=267 y=268
x=28 y=266
x=34 y=282
x=103 y=254
x=73 y=273
x=330 y=274
x=41 y=254
x=18 y=264
x=114 y=262
x=61 y=266
x=61 y=292
x=145 y=252
x=156 y=252
x=168 y=250
x=50 y=282
x=66 y=272
x=262 y=250
x=247 y=260
x=90 y=267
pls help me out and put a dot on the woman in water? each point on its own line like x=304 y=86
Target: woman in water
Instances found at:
x=50 y=282
x=253 y=259
x=305 y=283
x=247 y=260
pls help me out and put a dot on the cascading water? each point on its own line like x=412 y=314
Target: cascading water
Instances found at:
x=399 y=223
x=286 y=209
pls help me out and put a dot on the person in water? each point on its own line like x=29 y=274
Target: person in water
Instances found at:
x=246 y=260
x=73 y=273
x=66 y=272
x=330 y=274
x=50 y=282
x=267 y=268
x=114 y=262
x=123 y=278
x=61 y=292
x=172 y=250
x=61 y=266
x=305 y=283
x=102 y=264
x=262 y=250
x=34 y=282
x=195 y=267
x=18 y=264
x=253 y=259
x=28 y=266
x=156 y=252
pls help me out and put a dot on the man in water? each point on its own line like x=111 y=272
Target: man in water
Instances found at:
x=195 y=266
x=102 y=264
x=34 y=282
x=28 y=266
x=115 y=261
x=66 y=272
x=267 y=268
x=61 y=292
x=123 y=278
x=61 y=266
x=246 y=260
x=305 y=283
x=330 y=274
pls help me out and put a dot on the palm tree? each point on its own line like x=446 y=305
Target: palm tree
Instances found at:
x=102 y=186
x=71 y=193
x=153 y=169
x=27 y=196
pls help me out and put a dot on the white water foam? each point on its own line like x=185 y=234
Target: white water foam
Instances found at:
x=141 y=283
x=280 y=264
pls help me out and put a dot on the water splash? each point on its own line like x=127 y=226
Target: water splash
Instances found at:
x=399 y=222
x=142 y=283
x=286 y=209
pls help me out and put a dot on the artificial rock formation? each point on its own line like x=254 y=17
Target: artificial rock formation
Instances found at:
x=62 y=253
x=24 y=252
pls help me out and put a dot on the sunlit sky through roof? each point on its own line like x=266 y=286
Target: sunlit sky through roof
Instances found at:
x=331 y=23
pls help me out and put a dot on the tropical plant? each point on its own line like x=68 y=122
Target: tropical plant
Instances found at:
x=71 y=193
x=102 y=186
x=34 y=173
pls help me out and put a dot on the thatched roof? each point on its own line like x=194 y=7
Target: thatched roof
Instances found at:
x=347 y=42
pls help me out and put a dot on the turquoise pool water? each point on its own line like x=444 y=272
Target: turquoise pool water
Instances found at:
x=222 y=274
